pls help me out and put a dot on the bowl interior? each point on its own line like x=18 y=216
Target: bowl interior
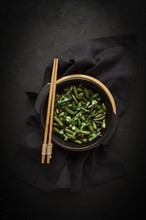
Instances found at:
x=109 y=116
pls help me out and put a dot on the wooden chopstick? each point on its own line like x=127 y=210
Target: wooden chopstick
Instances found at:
x=47 y=150
x=49 y=145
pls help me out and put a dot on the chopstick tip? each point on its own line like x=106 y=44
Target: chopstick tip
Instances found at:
x=43 y=159
x=48 y=159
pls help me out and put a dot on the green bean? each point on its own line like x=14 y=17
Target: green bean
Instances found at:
x=69 y=110
x=69 y=105
x=98 y=129
x=64 y=135
x=78 y=114
x=79 y=89
x=55 y=124
x=100 y=111
x=56 y=130
x=84 y=140
x=98 y=107
x=57 y=111
x=94 y=125
x=98 y=115
x=58 y=121
x=87 y=104
x=73 y=106
x=57 y=98
x=61 y=114
x=90 y=106
x=61 y=119
x=103 y=106
x=79 y=122
x=78 y=141
x=69 y=91
x=65 y=138
x=70 y=135
x=93 y=137
x=80 y=94
x=90 y=128
x=103 y=125
x=95 y=96
x=86 y=93
x=83 y=103
x=74 y=120
x=83 y=125
x=69 y=131
x=85 y=132
x=74 y=98
x=75 y=92
x=100 y=118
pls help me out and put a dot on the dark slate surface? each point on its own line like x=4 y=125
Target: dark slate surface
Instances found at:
x=31 y=33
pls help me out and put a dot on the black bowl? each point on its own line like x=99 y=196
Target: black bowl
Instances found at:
x=96 y=86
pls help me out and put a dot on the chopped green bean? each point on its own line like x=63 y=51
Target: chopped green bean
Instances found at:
x=61 y=119
x=84 y=140
x=86 y=132
x=79 y=122
x=61 y=114
x=95 y=95
x=79 y=89
x=103 y=125
x=98 y=129
x=75 y=92
x=69 y=91
x=69 y=110
x=100 y=118
x=69 y=131
x=78 y=141
x=90 y=127
x=55 y=124
x=94 y=136
x=103 y=106
x=57 y=110
x=86 y=93
x=56 y=130
x=58 y=121
x=100 y=111
x=73 y=106
x=70 y=136
x=74 y=98
x=98 y=115
x=79 y=114
x=69 y=105
x=94 y=125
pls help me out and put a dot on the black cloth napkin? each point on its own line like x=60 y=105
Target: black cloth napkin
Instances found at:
x=111 y=60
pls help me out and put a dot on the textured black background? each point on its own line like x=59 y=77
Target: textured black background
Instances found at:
x=32 y=32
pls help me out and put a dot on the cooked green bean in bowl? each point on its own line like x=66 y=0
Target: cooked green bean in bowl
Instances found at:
x=79 y=114
x=84 y=113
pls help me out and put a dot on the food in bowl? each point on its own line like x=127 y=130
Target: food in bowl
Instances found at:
x=111 y=119
x=79 y=114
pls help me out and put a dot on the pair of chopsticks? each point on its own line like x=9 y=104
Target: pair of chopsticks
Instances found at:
x=47 y=142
